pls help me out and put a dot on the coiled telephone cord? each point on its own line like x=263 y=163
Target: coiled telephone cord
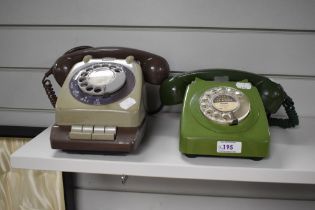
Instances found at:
x=291 y=121
x=49 y=89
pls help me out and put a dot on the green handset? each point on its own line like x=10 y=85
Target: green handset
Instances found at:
x=227 y=118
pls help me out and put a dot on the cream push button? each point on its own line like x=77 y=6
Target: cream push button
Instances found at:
x=81 y=132
x=89 y=132
x=104 y=133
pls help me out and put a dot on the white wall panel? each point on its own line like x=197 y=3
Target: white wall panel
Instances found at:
x=268 y=53
x=195 y=187
x=26 y=117
x=22 y=88
x=111 y=200
x=274 y=14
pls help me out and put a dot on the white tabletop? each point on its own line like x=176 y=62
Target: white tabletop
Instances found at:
x=291 y=160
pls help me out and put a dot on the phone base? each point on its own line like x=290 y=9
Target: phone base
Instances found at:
x=202 y=136
x=251 y=158
x=127 y=140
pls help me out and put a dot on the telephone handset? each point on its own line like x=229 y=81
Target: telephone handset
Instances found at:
x=227 y=118
x=100 y=106
x=155 y=68
x=271 y=93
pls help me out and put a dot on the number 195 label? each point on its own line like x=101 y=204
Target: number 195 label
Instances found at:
x=229 y=147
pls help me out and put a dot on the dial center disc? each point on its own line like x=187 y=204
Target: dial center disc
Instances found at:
x=101 y=77
x=225 y=103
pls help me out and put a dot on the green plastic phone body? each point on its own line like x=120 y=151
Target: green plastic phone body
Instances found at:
x=201 y=136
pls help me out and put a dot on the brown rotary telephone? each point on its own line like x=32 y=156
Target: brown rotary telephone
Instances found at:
x=100 y=106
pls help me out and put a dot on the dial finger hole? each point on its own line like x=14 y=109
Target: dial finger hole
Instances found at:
x=83 y=84
x=226 y=117
x=81 y=79
x=216 y=115
x=97 y=90
x=204 y=100
x=89 y=88
x=204 y=106
x=83 y=74
x=209 y=111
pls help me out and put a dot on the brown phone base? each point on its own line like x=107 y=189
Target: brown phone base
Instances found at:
x=127 y=140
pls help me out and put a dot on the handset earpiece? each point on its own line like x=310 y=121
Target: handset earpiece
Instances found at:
x=272 y=95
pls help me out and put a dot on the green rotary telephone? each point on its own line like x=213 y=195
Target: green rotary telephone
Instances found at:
x=228 y=118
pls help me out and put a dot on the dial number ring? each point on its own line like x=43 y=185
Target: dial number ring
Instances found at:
x=78 y=82
x=101 y=79
x=224 y=105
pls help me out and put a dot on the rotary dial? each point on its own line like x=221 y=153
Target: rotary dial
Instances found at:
x=101 y=78
x=224 y=105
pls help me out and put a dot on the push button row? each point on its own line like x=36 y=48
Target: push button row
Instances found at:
x=89 y=132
